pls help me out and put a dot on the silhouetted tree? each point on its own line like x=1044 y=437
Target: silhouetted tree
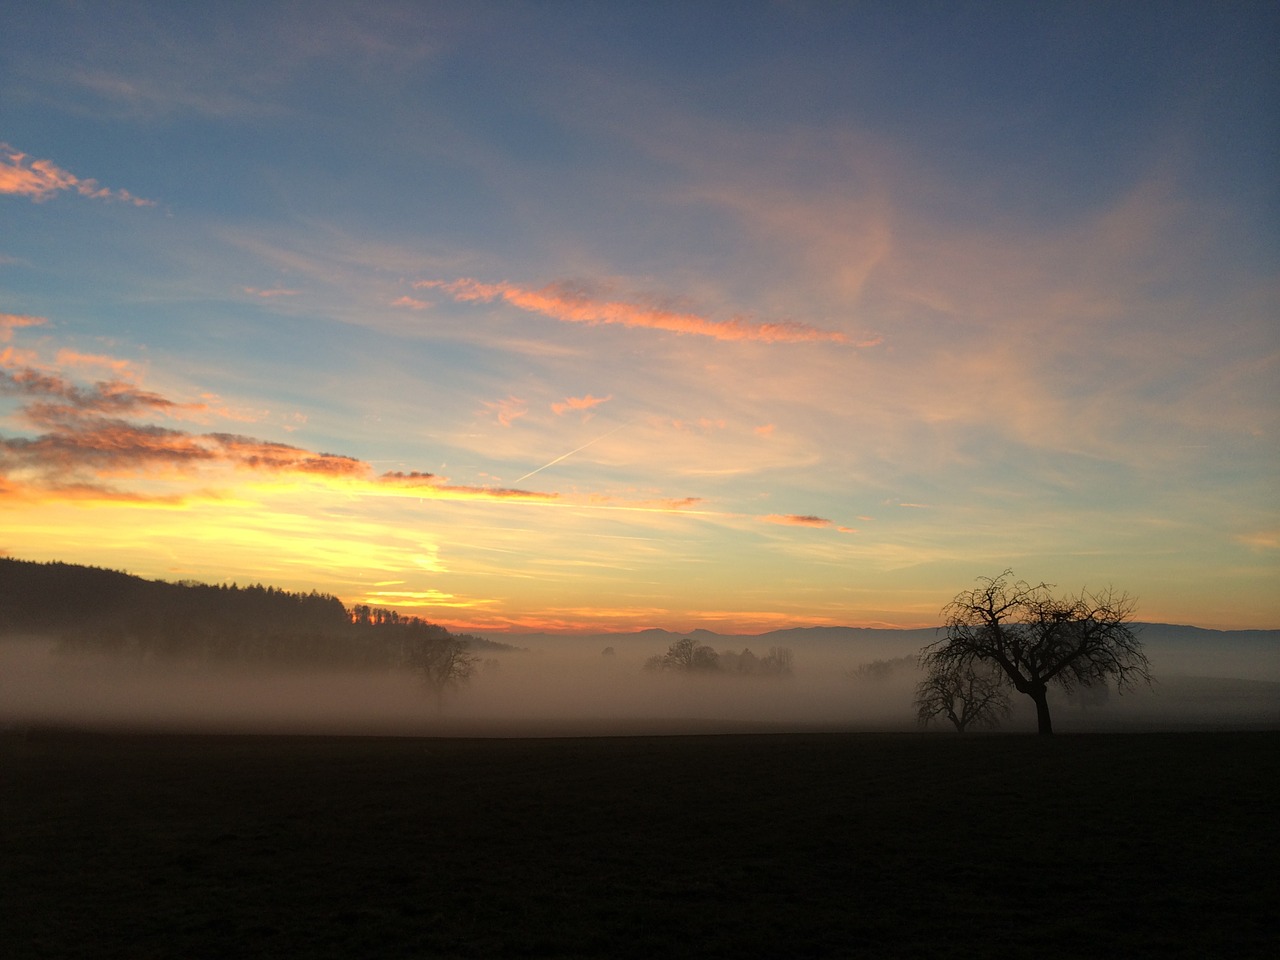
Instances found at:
x=1037 y=639
x=685 y=655
x=970 y=695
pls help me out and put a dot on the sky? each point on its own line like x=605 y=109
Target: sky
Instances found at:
x=607 y=316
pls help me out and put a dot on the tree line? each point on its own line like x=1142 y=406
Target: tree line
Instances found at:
x=689 y=656
x=90 y=609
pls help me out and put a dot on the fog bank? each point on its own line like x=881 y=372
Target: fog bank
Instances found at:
x=564 y=687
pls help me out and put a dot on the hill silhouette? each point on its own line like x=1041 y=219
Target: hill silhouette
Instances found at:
x=94 y=609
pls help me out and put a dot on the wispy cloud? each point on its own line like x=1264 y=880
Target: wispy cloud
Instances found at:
x=41 y=179
x=508 y=410
x=412 y=303
x=270 y=292
x=565 y=302
x=1261 y=539
x=438 y=487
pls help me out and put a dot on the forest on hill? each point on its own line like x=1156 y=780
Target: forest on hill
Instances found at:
x=91 y=609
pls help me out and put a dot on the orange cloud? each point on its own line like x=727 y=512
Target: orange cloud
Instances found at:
x=41 y=179
x=12 y=321
x=266 y=455
x=765 y=430
x=411 y=302
x=561 y=301
x=579 y=403
x=73 y=358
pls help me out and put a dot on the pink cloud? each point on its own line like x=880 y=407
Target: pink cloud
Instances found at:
x=561 y=301
x=411 y=302
x=579 y=403
x=797 y=520
x=765 y=430
x=42 y=179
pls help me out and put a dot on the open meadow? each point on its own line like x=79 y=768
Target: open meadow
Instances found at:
x=803 y=844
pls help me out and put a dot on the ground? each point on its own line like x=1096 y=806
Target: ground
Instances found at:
x=800 y=845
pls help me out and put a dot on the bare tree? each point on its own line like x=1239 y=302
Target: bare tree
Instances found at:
x=443 y=663
x=1039 y=640
x=778 y=662
x=976 y=695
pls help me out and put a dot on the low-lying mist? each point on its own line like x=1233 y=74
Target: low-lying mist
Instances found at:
x=563 y=687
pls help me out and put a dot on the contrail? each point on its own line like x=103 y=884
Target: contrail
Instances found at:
x=565 y=456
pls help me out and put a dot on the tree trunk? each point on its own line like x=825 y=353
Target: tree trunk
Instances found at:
x=1041 y=697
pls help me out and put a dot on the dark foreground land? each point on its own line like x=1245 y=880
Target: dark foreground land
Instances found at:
x=800 y=845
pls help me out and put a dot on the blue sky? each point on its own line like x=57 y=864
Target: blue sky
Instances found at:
x=735 y=316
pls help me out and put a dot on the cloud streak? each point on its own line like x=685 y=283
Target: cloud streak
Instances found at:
x=42 y=179
x=89 y=446
x=62 y=400
x=569 y=304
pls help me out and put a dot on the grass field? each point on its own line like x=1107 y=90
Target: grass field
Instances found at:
x=797 y=845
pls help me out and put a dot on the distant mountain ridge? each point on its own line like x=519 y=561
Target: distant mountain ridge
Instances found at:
x=1174 y=648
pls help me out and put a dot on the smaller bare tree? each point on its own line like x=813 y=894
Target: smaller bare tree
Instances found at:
x=971 y=695
x=442 y=663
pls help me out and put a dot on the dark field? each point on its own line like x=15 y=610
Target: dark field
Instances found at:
x=796 y=845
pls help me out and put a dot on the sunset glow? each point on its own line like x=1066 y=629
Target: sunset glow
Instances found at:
x=591 y=317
